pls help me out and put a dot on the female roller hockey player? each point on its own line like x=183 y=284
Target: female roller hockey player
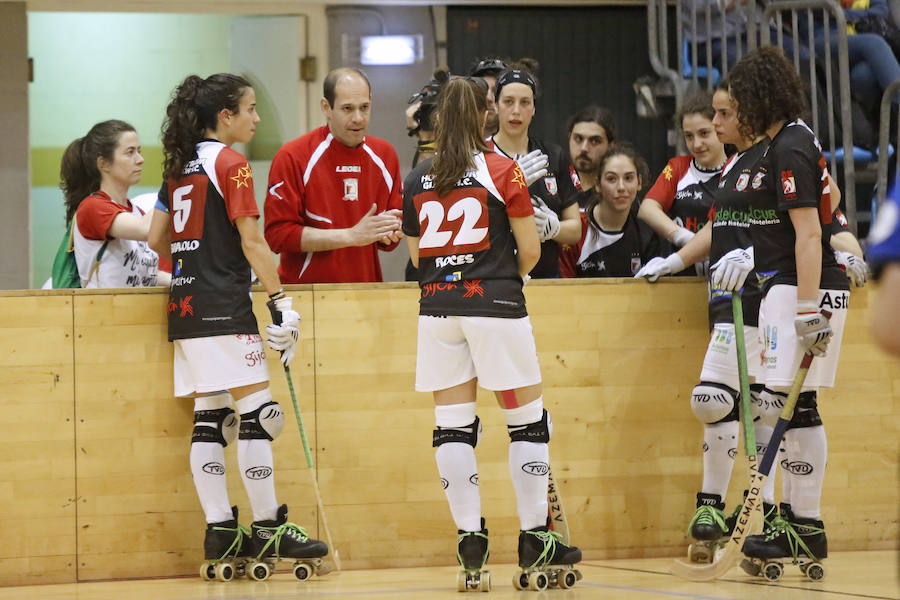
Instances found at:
x=800 y=279
x=715 y=400
x=206 y=221
x=468 y=220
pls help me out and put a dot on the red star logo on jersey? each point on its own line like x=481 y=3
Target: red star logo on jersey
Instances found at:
x=667 y=173
x=519 y=177
x=244 y=177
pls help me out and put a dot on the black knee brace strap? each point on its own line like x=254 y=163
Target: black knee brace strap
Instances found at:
x=225 y=421
x=537 y=432
x=465 y=435
x=733 y=415
x=806 y=414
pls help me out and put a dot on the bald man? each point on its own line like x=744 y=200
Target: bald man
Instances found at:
x=334 y=195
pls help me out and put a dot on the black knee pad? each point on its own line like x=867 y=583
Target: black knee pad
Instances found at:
x=217 y=426
x=537 y=432
x=264 y=423
x=468 y=434
x=806 y=414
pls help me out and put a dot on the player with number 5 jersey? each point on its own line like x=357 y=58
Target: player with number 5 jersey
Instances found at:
x=469 y=222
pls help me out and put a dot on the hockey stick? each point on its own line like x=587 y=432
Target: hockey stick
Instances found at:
x=750 y=520
x=558 y=521
x=276 y=319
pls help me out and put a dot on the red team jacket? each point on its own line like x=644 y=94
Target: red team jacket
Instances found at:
x=318 y=182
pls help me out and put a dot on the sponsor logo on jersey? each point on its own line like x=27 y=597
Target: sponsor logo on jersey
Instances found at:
x=351 y=189
x=841 y=300
x=179 y=281
x=348 y=169
x=757 y=180
x=427 y=182
x=260 y=472
x=454 y=260
x=454 y=276
x=742 y=182
x=184 y=246
x=550 y=182
x=788 y=185
x=431 y=289
x=183 y=305
x=536 y=468
x=274 y=187
x=473 y=288
x=193 y=166
x=178 y=264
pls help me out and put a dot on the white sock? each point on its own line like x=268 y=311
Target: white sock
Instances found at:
x=458 y=468
x=208 y=467
x=256 y=464
x=529 y=467
x=719 y=448
x=807 y=453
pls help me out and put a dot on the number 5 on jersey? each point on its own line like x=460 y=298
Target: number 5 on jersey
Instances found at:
x=181 y=207
x=188 y=206
x=455 y=224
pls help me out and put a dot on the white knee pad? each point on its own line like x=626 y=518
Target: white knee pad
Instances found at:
x=261 y=418
x=713 y=402
x=214 y=420
x=767 y=405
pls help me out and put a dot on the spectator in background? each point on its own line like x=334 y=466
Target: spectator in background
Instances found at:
x=109 y=233
x=591 y=130
x=489 y=68
x=884 y=255
x=677 y=206
x=614 y=242
x=544 y=166
x=334 y=193
x=420 y=115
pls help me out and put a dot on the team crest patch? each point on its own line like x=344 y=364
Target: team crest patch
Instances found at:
x=351 y=189
x=788 y=185
x=742 y=182
x=550 y=182
x=635 y=264
x=757 y=180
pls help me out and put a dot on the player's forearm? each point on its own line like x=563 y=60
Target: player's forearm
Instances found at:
x=845 y=242
x=653 y=215
x=697 y=249
x=807 y=252
x=259 y=256
x=320 y=240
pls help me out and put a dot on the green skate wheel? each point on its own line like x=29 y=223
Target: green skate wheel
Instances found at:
x=772 y=571
x=538 y=581
x=815 y=571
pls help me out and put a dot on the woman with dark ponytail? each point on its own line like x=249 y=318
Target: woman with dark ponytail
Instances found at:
x=206 y=220
x=469 y=223
x=109 y=233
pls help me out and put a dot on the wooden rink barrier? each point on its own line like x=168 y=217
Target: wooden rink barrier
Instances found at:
x=96 y=481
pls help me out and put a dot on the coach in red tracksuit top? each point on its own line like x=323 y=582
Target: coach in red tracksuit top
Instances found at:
x=335 y=195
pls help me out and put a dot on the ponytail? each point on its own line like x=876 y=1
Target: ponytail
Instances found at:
x=78 y=172
x=461 y=107
x=193 y=110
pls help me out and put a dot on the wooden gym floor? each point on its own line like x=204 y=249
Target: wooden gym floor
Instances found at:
x=851 y=575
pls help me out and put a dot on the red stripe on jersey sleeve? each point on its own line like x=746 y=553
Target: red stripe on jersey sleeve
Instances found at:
x=95 y=215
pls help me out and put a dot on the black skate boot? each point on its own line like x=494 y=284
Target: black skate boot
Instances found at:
x=769 y=514
x=224 y=548
x=271 y=541
x=707 y=526
x=472 y=553
x=791 y=539
x=545 y=560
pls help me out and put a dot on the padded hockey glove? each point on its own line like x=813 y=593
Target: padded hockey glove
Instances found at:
x=812 y=327
x=659 y=266
x=545 y=220
x=730 y=271
x=283 y=333
x=533 y=165
x=855 y=268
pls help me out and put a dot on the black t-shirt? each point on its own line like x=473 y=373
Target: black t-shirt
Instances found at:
x=794 y=175
x=613 y=253
x=557 y=191
x=467 y=252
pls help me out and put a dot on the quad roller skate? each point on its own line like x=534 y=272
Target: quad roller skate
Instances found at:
x=472 y=553
x=791 y=539
x=224 y=549
x=708 y=526
x=545 y=561
x=279 y=539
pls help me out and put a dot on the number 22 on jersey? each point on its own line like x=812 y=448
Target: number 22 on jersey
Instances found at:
x=455 y=224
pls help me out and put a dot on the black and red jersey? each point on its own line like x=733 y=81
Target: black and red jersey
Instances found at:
x=467 y=252
x=680 y=192
x=556 y=189
x=795 y=176
x=210 y=289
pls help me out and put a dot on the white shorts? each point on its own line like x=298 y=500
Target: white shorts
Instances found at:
x=782 y=352
x=218 y=363
x=453 y=350
x=720 y=363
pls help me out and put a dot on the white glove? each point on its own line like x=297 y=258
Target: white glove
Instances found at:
x=283 y=332
x=732 y=269
x=659 y=266
x=855 y=267
x=681 y=236
x=812 y=327
x=533 y=165
x=545 y=220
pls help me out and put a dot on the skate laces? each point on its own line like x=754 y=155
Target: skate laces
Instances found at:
x=708 y=515
x=550 y=539
x=238 y=542
x=291 y=530
x=460 y=539
x=795 y=540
